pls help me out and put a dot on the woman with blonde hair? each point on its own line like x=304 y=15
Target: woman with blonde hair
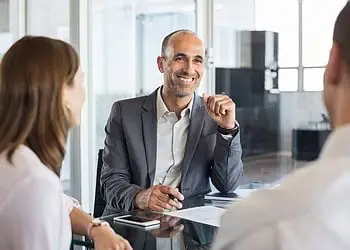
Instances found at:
x=41 y=97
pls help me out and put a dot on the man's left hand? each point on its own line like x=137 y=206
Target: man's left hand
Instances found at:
x=222 y=110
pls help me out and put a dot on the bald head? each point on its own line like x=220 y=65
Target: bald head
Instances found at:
x=175 y=34
x=181 y=63
x=341 y=35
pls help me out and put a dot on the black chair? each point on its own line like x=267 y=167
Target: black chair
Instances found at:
x=100 y=203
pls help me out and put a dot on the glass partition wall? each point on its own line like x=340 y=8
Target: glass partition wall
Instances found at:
x=269 y=57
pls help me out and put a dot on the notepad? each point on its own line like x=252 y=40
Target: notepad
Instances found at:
x=222 y=196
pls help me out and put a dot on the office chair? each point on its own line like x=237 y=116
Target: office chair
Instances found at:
x=100 y=203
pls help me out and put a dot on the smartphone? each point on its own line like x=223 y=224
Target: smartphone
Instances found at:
x=136 y=220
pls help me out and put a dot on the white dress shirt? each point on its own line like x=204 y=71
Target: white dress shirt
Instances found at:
x=309 y=210
x=171 y=141
x=34 y=212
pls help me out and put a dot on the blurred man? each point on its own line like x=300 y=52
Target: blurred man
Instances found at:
x=162 y=148
x=311 y=208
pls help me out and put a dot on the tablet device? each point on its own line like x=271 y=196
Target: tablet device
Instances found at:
x=136 y=220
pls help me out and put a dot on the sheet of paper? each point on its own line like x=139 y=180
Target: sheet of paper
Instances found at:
x=206 y=214
x=244 y=193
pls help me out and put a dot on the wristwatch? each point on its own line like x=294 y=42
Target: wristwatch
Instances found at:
x=232 y=131
x=96 y=223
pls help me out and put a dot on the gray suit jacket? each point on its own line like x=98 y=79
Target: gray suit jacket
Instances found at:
x=129 y=156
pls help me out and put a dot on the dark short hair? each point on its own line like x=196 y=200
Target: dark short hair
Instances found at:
x=167 y=38
x=341 y=35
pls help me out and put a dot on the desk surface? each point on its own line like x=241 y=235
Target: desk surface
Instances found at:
x=174 y=233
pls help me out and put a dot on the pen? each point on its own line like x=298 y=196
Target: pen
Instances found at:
x=172 y=197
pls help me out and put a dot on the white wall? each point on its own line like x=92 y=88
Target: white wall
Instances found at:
x=297 y=109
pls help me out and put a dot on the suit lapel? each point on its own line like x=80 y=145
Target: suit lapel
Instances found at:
x=149 y=127
x=194 y=132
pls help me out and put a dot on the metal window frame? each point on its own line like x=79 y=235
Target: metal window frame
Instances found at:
x=82 y=155
x=205 y=30
x=82 y=138
x=301 y=67
x=18 y=18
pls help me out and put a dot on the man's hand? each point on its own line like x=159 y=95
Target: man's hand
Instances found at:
x=169 y=227
x=105 y=238
x=221 y=109
x=157 y=198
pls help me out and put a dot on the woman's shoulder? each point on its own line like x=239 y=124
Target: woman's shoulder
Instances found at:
x=31 y=195
x=25 y=171
x=25 y=161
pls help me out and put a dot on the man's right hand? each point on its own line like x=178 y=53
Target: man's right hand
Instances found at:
x=157 y=198
x=169 y=227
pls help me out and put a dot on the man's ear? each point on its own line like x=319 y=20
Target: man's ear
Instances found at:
x=160 y=63
x=333 y=69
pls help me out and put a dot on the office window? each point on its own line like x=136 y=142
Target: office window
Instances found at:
x=52 y=18
x=313 y=79
x=281 y=17
x=270 y=117
x=311 y=20
x=318 y=23
x=6 y=33
x=288 y=79
x=230 y=16
x=317 y=29
x=49 y=18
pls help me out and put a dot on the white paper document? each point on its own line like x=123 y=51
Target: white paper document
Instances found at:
x=206 y=214
x=244 y=193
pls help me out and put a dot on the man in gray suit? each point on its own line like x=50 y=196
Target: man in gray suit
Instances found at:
x=162 y=148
